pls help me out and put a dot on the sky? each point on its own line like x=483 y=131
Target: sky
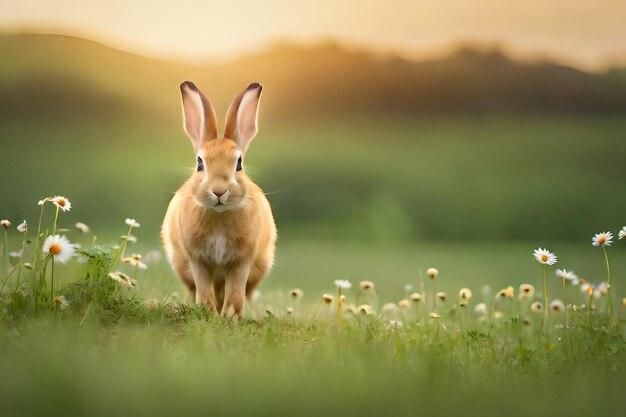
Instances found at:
x=584 y=33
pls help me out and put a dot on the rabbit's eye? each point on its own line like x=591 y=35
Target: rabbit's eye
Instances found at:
x=239 y=164
x=200 y=164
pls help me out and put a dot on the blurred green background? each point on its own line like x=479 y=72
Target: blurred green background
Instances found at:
x=363 y=156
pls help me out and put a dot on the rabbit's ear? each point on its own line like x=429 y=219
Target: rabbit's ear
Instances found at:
x=200 y=120
x=242 y=116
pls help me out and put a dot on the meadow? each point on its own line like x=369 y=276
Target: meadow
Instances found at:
x=370 y=193
x=94 y=341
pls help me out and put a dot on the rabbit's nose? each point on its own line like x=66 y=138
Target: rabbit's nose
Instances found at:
x=219 y=191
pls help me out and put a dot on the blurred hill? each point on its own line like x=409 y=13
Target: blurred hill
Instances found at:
x=59 y=75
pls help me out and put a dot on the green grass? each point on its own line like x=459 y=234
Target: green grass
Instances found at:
x=143 y=351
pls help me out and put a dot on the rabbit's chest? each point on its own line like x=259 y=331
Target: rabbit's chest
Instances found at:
x=217 y=250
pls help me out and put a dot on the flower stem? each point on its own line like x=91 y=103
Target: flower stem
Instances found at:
x=544 y=322
x=317 y=309
x=589 y=309
x=565 y=302
x=339 y=305
x=609 y=305
x=52 y=281
x=122 y=249
x=5 y=253
x=54 y=226
x=36 y=254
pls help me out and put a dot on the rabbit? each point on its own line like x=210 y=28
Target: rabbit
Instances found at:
x=219 y=232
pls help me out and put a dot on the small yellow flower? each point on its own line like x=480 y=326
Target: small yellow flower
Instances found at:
x=404 y=304
x=441 y=296
x=289 y=311
x=508 y=292
x=536 y=307
x=365 y=308
x=135 y=260
x=434 y=315
x=624 y=302
x=328 y=298
x=557 y=306
x=465 y=294
x=416 y=297
x=297 y=293
x=366 y=285
x=432 y=273
x=526 y=291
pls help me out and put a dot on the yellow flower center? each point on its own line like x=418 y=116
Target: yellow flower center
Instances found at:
x=55 y=249
x=544 y=258
x=589 y=291
x=601 y=240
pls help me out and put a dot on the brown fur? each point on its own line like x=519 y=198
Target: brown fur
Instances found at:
x=220 y=251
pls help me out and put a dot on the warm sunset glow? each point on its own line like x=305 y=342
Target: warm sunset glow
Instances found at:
x=581 y=32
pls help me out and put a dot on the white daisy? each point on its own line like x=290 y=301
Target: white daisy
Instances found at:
x=544 y=256
x=416 y=297
x=61 y=202
x=441 y=296
x=59 y=248
x=22 y=227
x=5 y=223
x=536 y=307
x=343 y=283
x=82 y=227
x=123 y=279
x=567 y=276
x=590 y=289
x=622 y=233
x=132 y=223
x=602 y=239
